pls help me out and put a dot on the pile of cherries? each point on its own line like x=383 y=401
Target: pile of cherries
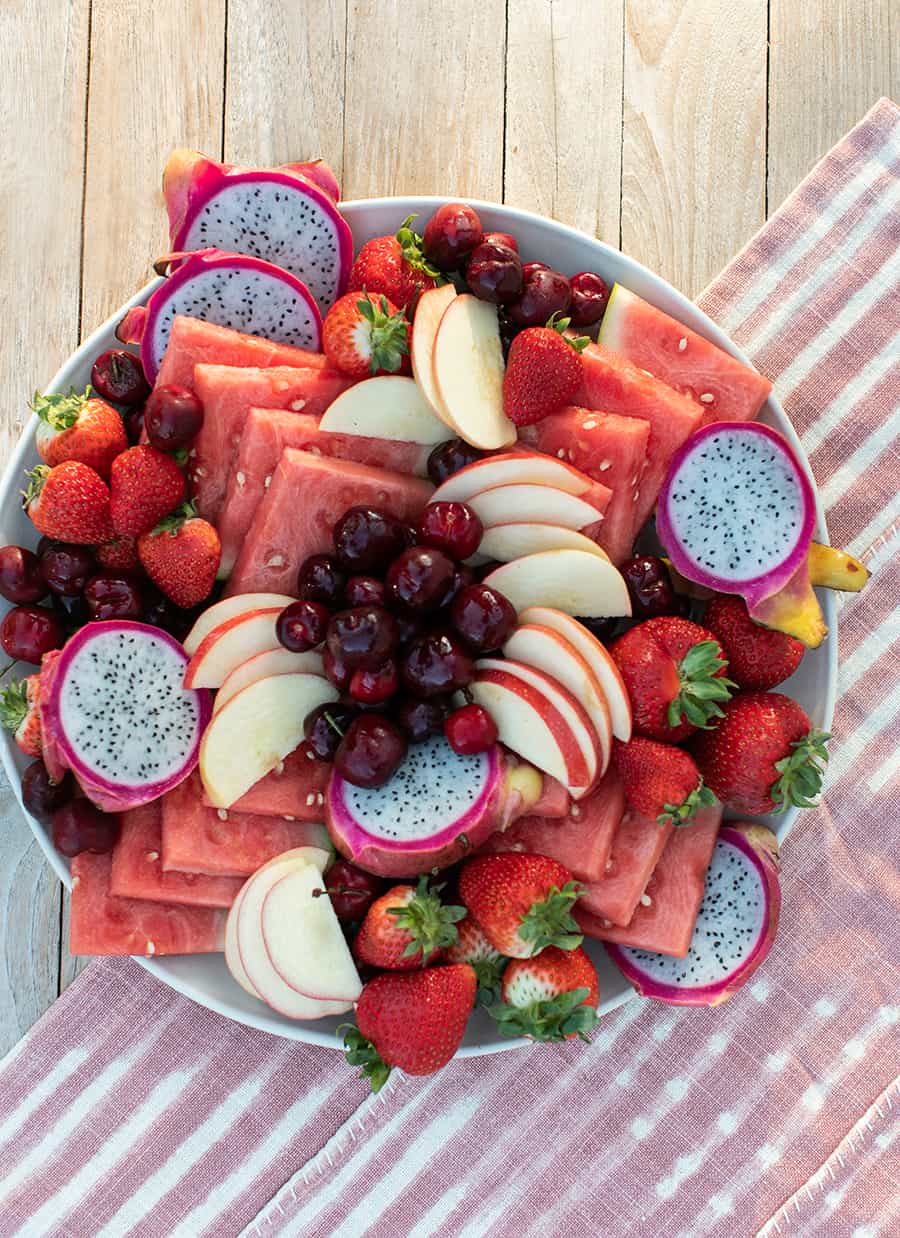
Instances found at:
x=528 y=293
x=400 y=618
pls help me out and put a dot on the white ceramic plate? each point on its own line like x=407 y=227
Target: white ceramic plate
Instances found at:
x=204 y=978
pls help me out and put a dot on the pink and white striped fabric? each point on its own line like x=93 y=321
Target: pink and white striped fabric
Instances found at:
x=130 y=1111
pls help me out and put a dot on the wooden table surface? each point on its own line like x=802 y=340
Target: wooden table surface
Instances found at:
x=669 y=128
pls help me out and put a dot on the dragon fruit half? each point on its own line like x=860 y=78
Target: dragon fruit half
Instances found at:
x=736 y=514
x=230 y=290
x=435 y=809
x=119 y=716
x=286 y=215
x=734 y=931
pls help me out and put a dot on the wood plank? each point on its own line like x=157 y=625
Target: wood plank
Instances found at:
x=43 y=64
x=284 y=95
x=146 y=97
x=694 y=134
x=424 y=103
x=830 y=60
x=564 y=112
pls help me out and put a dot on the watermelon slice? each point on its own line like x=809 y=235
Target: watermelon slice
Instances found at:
x=610 y=448
x=194 y=342
x=663 y=920
x=198 y=839
x=227 y=394
x=137 y=870
x=636 y=847
x=553 y=801
x=725 y=388
x=102 y=923
x=50 y=749
x=581 y=842
x=306 y=498
x=266 y=433
x=296 y=790
x=614 y=385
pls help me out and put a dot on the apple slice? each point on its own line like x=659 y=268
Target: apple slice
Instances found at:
x=468 y=373
x=255 y=730
x=278 y=661
x=229 y=608
x=304 y=939
x=596 y=656
x=511 y=468
x=584 y=760
x=253 y=957
x=505 y=542
x=429 y=312
x=569 y=580
x=542 y=504
x=547 y=651
x=389 y=406
x=232 y=952
x=229 y=645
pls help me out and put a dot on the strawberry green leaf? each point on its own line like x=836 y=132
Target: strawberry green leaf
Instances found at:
x=559 y=324
x=555 y=1018
x=388 y=334
x=175 y=519
x=35 y=483
x=684 y=813
x=411 y=246
x=700 y=688
x=60 y=411
x=361 y=1052
x=800 y=774
x=430 y=924
x=550 y=922
x=14 y=705
x=489 y=973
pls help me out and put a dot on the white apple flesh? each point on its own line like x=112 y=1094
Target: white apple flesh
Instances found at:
x=429 y=312
x=541 y=504
x=229 y=645
x=229 y=608
x=505 y=542
x=232 y=951
x=389 y=406
x=255 y=730
x=278 y=661
x=468 y=372
x=508 y=469
x=568 y=580
x=596 y=656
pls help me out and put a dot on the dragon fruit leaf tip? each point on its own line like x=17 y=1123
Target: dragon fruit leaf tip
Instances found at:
x=230 y=290
x=739 y=486
x=277 y=214
x=735 y=928
x=436 y=808
x=123 y=722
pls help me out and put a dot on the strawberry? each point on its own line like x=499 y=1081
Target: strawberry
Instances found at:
x=407 y=927
x=674 y=671
x=521 y=902
x=758 y=657
x=414 y=1020
x=181 y=556
x=660 y=781
x=145 y=485
x=471 y=946
x=543 y=372
x=78 y=427
x=764 y=755
x=119 y=555
x=553 y=996
x=364 y=335
x=69 y=503
x=19 y=714
x=395 y=267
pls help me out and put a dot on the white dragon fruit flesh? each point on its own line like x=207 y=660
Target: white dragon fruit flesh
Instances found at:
x=119 y=715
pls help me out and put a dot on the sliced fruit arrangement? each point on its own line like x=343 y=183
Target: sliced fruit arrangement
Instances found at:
x=343 y=652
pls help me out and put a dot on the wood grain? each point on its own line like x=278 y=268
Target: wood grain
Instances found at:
x=43 y=68
x=284 y=94
x=563 y=132
x=693 y=155
x=156 y=83
x=423 y=110
x=830 y=60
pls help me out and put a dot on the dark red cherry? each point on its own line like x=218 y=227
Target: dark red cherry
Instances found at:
x=173 y=417
x=112 y=596
x=470 y=730
x=79 y=826
x=483 y=617
x=301 y=626
x=436 y=665
x=419 y=579
x=449 y=457
x=21 y=580
x=371 y=751
x=451 y=234
x=40 y=795
x=590 y=295
x=28 y=632
x=321 y=579
x=326 y=726
x=363 y=636
x=352 y=890
x=118 y=375
x=451 y=527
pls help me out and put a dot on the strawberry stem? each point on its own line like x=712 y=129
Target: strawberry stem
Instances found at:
x=559 y=324
x=684 y=813
x=60 y=411
x=555 y=1018
x=14 y=705
x=801 y=773
x=361 y=1052
x=411 y=247
x=430 y=925
x=35 y=483
x=550 y=922
x=388 y=334
x=701 y=687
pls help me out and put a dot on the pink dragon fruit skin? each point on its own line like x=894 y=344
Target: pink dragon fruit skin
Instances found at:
x=191 y=181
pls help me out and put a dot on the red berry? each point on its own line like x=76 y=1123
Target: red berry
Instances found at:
x=544 y=293
x=419 y=579
x=470 y=730
x=301 y=626
x=494 y=273
x=324 y=728
x=20 y=575
x=321 y=579
x=589 y=297
x=352 y=890
x=66 y=569
x=501 y=238
x=373 y=687
x=451 y=233
x=449 y=457
x=118 y=375
x=483 y=617
x=28 y=632
x=451 y=527
x=79 y=826
x=364 y=636
x=336 y=670
x=40 y=795
x=365 y=591
x=173 y=416
x=370 y=752
x=109 y=596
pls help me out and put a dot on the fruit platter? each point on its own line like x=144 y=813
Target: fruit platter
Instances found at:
x=420 y=625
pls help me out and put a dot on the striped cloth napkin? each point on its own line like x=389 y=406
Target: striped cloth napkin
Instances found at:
x=129 y=1110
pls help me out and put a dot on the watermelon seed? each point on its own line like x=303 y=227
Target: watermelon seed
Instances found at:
x=682 y=343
